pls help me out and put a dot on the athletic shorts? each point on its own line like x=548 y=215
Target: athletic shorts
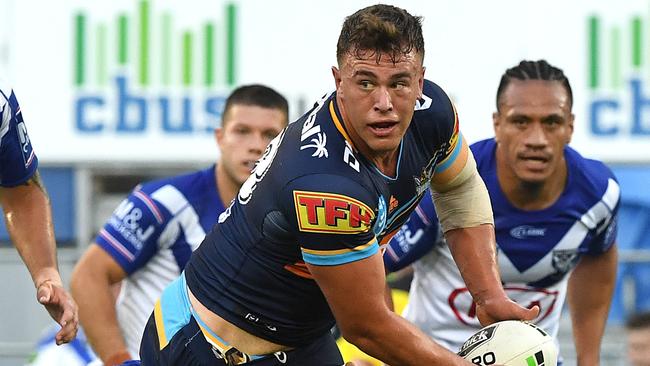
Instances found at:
x=175 y=335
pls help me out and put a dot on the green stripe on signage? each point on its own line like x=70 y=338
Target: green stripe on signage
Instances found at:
x=594 y=25
x=187 y=58
x=144 y=43
x=79 y=35
x=231 y=37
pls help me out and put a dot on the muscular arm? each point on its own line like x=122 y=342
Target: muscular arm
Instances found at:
x=367 y=322
x=92 y=283
x=29 y=222
x=589 y=295
x=463 y=206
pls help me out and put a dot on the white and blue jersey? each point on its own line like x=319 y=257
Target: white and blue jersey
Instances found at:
x=537 y=250
x=17 y=159
x=151 y=235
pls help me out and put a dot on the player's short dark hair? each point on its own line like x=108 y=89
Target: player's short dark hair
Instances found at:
x=380 y=29
x=256 y=95
x=638 y=320
x=534 y=70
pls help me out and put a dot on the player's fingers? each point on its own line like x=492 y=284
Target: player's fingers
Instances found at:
x=44 y=293
x=529 y=314
x=67 y=332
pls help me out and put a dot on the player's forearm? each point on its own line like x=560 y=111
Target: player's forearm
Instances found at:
x=474 y=251
x=29 y=222
x=397 y=342
x=97 y=314
x=590 y=290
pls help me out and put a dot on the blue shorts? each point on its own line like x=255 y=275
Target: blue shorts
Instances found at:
x=174 y=335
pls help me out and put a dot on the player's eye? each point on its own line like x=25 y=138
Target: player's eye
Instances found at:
x=365 y=84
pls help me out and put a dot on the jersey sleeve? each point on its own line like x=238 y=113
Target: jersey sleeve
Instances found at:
x=416 y=237
x=131 y=235
x=438 y=122
x=607 y=228
x=17 y=159
x=333 y=218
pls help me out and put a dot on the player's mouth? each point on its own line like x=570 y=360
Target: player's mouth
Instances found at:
x=383 y=129
x=535 y=161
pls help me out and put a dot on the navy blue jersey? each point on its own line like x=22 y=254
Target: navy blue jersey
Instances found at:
x=17 y=159
x=312 y=198
x=537 y=250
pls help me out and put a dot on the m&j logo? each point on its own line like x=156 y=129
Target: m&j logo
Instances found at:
x=142 y=72
x=619 y=77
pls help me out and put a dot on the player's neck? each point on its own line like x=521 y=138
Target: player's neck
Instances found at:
x=226 y=187
x=532 y=196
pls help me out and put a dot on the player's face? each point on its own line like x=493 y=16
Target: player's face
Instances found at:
x=377 y=99
x=638 y=348
x=532 y=128
x=246 y=131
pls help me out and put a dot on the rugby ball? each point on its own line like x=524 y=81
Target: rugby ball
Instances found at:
x=510 y=343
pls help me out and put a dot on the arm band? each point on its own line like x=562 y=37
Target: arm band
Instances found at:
x=464 y=201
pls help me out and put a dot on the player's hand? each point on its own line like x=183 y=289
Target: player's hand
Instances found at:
x=61 y=308
x=502 y=308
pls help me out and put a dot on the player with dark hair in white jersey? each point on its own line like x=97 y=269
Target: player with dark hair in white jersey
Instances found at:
x=149 y=238
x=554 y=214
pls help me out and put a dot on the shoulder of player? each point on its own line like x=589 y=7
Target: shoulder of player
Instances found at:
x=333 y=184
x=434 y=102
x=168 y=196
x=5 y=91
x=592 y=176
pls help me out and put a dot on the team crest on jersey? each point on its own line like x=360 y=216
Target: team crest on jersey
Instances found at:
x=423 y=181
x=320 y=212
x=380 y=223
x=564 y=259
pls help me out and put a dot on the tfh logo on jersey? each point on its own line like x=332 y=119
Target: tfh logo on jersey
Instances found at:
x=126 y=221
x=320 y=212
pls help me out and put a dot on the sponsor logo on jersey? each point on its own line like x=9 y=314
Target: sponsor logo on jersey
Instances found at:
x=464 y=308
x=126 y=220
x=476 y=340
x=527 y=231
x=320 y=212
x=393 y=203
x=564 y=259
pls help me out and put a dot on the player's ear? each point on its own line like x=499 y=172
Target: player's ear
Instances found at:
x=570 y=126
x=421 y=81
x=336 y=73
x=495 y=120
x=218 y=135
